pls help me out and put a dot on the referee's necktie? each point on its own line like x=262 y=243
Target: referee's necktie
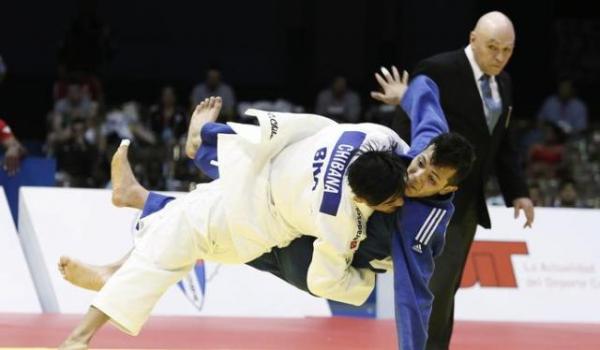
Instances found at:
x=494 y=108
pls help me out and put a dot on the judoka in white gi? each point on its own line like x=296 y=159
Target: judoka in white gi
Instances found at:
x=278 y=181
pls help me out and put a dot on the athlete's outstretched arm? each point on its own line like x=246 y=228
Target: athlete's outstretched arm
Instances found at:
x=420 y=100
x=422 y=105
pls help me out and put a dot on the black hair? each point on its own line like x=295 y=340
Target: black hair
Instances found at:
x=454 y=151
x=214 y=65
x=566 y=181
x=377 y=175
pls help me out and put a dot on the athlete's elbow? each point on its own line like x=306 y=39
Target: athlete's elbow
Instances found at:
x=320 y=288
x=331 y=290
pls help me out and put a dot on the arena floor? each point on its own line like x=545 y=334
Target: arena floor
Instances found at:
x=28 y=332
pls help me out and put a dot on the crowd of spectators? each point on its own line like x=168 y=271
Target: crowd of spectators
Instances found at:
x=560 y=148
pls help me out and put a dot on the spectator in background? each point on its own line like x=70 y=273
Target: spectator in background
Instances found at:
x=150 y=159
x=2 y=69
x=535 y=193
x=167 y=167
x=125 y=123
x=90 y=85
x=565 y=109
x=76 y=157
x=13 y=150
x=76 y=105
x=167 y=119
x=214 y=86
x=546 y=157
x=568 y=196
x=338 y=102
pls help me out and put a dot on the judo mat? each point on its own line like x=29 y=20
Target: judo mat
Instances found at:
x=46 y=331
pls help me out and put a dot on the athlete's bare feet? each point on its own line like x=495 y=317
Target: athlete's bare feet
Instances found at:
x=127 y=191
x=84 y=275
x=207 y=111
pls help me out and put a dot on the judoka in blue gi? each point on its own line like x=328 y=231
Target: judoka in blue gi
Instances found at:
x=408 y=239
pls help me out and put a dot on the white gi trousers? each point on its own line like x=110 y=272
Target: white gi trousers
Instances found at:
x=167 y=245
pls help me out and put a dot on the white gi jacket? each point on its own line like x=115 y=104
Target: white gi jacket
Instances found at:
x=287 y=178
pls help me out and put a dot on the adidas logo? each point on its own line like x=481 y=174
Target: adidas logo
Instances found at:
x=417 y=248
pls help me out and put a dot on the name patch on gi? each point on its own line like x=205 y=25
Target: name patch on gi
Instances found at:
x=342 y=152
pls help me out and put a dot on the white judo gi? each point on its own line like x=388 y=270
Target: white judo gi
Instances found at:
x=277 y=181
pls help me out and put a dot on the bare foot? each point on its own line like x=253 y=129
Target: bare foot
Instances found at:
x=207 y=111
x=127 y=191
x=73 y=344
x=84 y=275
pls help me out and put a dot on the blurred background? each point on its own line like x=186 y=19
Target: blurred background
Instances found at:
x=77 y=76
